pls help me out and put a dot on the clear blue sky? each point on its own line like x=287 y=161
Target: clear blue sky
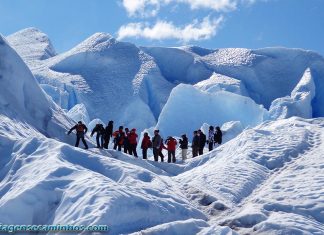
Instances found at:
x=263 y=23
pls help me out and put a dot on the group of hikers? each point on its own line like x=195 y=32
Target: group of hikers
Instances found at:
x=127 y=139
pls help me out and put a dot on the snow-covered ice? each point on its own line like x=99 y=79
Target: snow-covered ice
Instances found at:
x=218 y=82
x=266 y=177
x=181 y=114
x=300 y=101
x=101 y=68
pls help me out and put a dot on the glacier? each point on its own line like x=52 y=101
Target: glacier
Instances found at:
x=101 y=68
x=266 y=177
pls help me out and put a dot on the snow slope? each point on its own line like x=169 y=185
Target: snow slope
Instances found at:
x=266 y=181
x=80 y=187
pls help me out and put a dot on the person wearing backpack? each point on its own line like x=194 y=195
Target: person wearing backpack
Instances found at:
x=171 y=147
x=108 y=133
x=202 y=142
x=218 y=137
x=81 y=130
x=195 y=144
x=210 y=140
x=161 y=150
x=126 y=142
x=132 y=138
x=100 y=130
x=119 y=138
x=184 y=146
x=156 y=144
x=146 y=144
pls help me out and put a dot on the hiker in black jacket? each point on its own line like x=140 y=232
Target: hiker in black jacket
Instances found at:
x=81 y=129
x=156 y=144
x=218 y=136
x=195 y=144
x=184 y=146
x=211 y=135
x=108 y=134
x=100 y=130
x=202 y=142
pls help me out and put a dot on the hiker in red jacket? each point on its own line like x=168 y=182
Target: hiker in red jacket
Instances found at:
x=81 y=130
x=119 y=138
x=132 y=139
x=171 y=147
x=146 y=143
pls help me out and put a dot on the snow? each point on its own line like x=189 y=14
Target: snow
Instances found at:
x=300 y=101
x=182 y=114
x=268 y=174
x=189 y=69
x=79 y=113
x=218 y=82
x=22 y=99
x=80 y=187
x=32 y=44
x=230 y=130
x=102 y=68
x=292 y=199
x=97 y=72
x=267 y=179
x=191 y=226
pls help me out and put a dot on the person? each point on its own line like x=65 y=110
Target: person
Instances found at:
x=184 y=146
x=156 y=144
x=119 y=138
x=210 y=140
x=100 y=130
x=202 y=142
x=81 y=130
x=146 y=144
x=161 y=150
x=218 y=136
x=195 y=144
x=171 y=147
x=108 y=133
x=126 y=142
x=132 y=139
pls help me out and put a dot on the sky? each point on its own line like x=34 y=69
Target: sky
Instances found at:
x=206 y=23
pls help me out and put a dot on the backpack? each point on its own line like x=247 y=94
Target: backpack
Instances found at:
x=149 y=145
x=80 y=128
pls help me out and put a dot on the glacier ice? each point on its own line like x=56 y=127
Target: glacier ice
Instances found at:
x=299 y=103
x=218 y=82
x=79 y=113
x=188 y=108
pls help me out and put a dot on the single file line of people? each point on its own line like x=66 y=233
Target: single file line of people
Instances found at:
x=128 y=140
